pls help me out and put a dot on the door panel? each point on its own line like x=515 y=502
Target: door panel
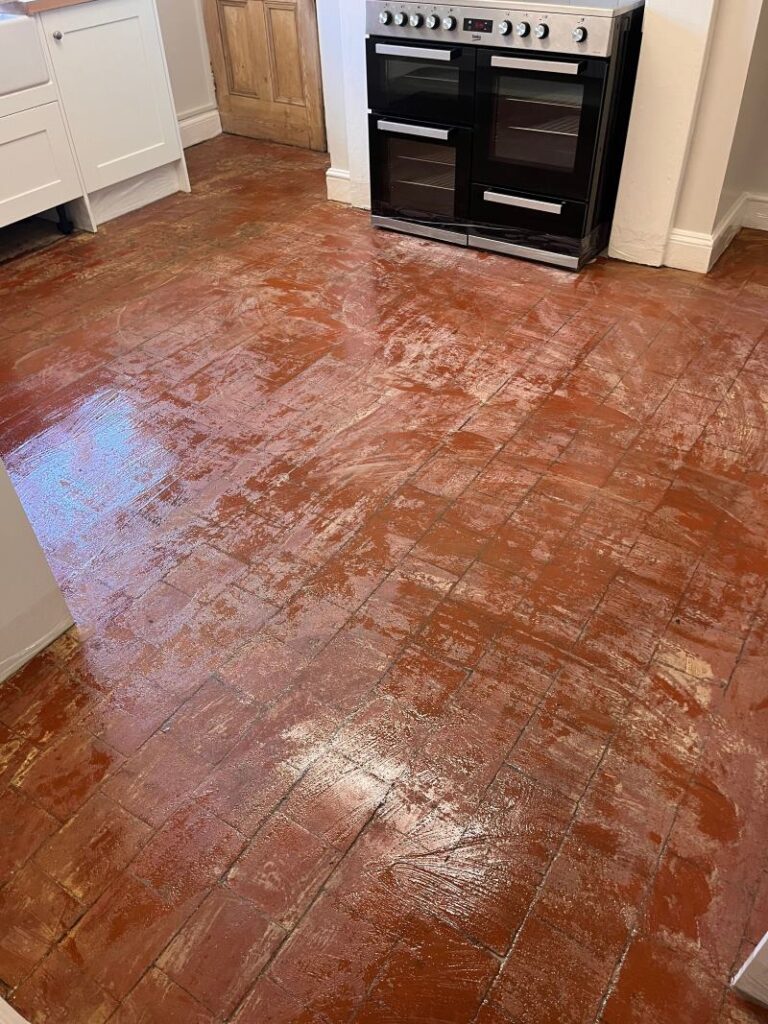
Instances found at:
x=421 y=82
x=282 y=33
x=537 y=122
x=110 y=69
x=246 y=54
x=37 y=169
x=505 y=221
x=266 y=65
x=420 y=172
x=503 y=210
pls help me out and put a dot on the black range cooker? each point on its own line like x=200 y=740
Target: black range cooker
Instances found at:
x=501 y=127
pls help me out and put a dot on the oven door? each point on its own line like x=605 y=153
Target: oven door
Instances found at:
x=550 y=230
x=537 y=122
x=421 y=82
x=420 y=173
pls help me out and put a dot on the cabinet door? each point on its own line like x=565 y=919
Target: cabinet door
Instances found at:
x=110 y=67
x=37 y=170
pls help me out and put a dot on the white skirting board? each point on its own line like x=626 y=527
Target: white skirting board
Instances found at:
x=199 y=127
x=752 y=980
x=755 y=212
x=692 y=250
x=8 y=1015
x=337 y=185
x=341 y=187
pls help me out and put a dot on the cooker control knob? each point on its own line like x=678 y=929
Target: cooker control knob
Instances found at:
x=505 y=27
x=401 y=19
x=523 y=29
x=416 y=21
x=542 y=30
x=449 y=24
x=579 y=34
x=385 y=17
x=433 y=21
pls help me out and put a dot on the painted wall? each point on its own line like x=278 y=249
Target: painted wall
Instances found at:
x=330 y=33
x=676 y=36
x=747 y=171
x=341 y=26
x=189 y=64
x=733 y=38
x=32 y=610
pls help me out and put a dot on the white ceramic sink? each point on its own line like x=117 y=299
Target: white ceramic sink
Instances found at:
x=22 y=65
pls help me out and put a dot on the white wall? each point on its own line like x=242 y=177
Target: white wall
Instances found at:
x=189 y=64
x=676 y=37
x=330 y=34
x=722 y=92
x=32 y=609
x=342 y=54
x=746 y=179
x=703 y=225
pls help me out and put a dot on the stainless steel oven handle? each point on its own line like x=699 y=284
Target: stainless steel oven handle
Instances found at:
x=525 y=204
x=413 y=129
x=390 y=50
x=546 y=67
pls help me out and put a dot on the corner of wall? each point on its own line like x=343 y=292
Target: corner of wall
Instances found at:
x=337 y=185
x=699 y=252
x=755 y=213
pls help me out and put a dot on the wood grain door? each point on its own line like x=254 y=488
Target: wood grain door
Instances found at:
x=266 y=64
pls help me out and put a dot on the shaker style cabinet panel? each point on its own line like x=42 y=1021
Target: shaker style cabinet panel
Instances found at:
x=109 y=64
x=37 y=170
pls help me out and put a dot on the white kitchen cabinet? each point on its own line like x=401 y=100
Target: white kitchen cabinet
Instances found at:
x=110 y=69
x=25 y=80
x=37 y=169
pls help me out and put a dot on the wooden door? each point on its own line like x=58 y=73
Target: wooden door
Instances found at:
x=266 y=64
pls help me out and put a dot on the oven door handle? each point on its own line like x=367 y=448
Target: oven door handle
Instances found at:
x=525 y=204
x=421 y=52
x=546 y=67
x=414 y=129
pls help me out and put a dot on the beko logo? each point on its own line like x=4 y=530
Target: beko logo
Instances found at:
x=476 y=37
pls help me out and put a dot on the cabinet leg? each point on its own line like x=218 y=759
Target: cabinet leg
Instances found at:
x=66 y=227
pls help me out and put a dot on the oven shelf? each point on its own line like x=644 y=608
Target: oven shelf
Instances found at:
x=444 y=76
x=426 y=160
x=568 y=124
x=433 y=179
x=552 y=94
x=425 y=184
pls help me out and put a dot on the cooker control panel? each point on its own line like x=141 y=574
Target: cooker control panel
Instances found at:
x=536 y=29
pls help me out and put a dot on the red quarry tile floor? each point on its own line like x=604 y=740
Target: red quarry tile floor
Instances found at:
x=421 y=673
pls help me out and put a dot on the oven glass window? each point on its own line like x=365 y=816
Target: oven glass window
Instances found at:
x=410 y=82
x=536 y=122
x=422 y=177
